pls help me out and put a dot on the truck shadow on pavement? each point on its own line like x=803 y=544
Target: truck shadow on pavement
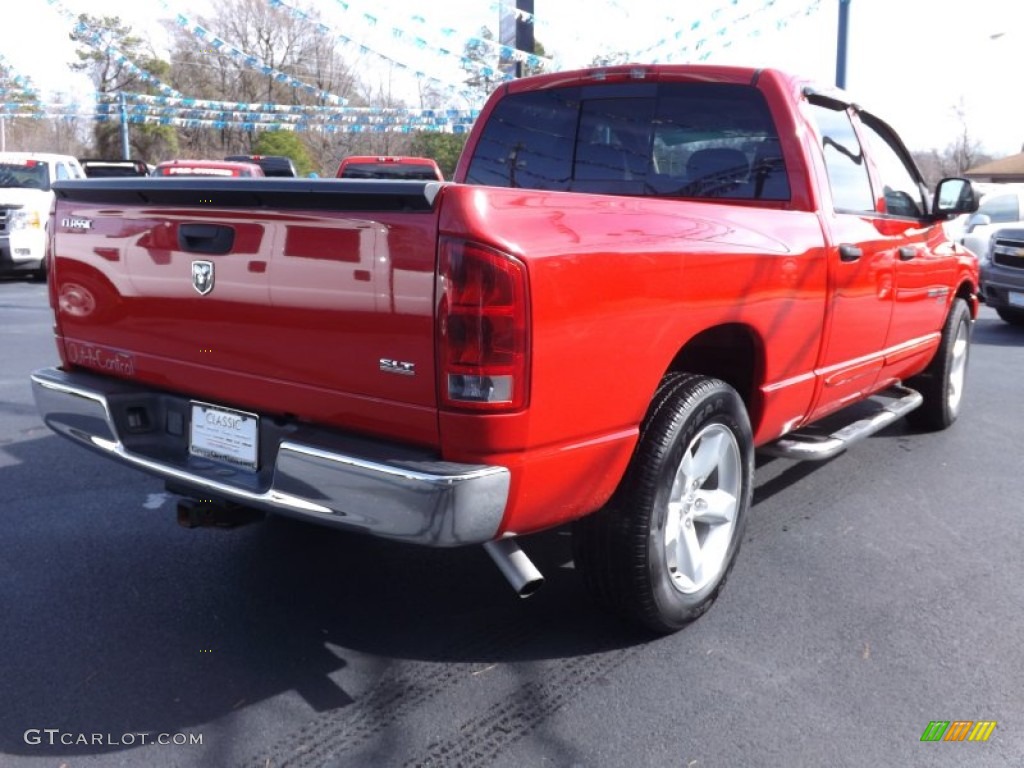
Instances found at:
x=120 y=621
x=993 y=332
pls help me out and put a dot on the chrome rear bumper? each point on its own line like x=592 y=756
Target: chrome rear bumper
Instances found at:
x=324 y=476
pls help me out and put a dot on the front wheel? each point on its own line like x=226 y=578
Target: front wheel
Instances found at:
x=659 y=552
x=942 y=382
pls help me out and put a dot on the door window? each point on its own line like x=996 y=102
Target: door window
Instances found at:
x=900 y=186
x=844 y=160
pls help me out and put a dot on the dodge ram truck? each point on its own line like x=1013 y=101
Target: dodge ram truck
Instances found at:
x=638 y=277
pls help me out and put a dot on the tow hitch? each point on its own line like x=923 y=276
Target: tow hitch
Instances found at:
x=208 y=513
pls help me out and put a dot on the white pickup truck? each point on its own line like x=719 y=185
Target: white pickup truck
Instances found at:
x=26 y=196
x=995 y=234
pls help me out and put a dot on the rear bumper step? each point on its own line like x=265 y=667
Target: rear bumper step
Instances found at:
x=814 y=443
x=320 y=475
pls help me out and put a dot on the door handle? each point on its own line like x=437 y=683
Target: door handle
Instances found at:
x=907 y=252
x=206 y=238
x=848 y=252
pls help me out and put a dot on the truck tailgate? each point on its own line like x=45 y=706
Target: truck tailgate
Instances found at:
x=312 y=299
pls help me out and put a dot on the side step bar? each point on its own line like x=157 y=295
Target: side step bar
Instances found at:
x=812 y=444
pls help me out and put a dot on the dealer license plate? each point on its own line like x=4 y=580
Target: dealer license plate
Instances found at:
x=1016 y=299
x=224 y=434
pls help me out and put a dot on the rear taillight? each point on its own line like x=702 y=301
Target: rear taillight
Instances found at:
x=483 y=328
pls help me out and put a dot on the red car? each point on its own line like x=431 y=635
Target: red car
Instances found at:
x=219 y=168
x=389 y=167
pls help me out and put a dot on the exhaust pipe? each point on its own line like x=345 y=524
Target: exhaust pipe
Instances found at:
x=515 y=566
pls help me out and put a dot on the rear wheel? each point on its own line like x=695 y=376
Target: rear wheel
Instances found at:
x=942 y=382
x=1011 y=316
x=659 y=552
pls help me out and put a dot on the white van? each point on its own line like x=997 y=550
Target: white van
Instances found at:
x=26 y=194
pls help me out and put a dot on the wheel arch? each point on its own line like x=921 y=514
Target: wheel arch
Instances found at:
x=732 y=352
x=968 y=291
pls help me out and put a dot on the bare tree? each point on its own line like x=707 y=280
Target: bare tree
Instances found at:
x=22 y=113
x=118 y=61
x=284 y=41
x=965 y=152
x=958 y=157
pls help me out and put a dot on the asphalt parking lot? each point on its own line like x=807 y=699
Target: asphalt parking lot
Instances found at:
x=875 y=593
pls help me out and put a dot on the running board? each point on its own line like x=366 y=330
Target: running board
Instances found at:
x=813 y=443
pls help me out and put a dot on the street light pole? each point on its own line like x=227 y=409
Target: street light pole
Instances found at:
x=844 y=29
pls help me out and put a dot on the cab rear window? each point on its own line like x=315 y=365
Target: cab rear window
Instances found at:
x=388 y=171
x=658 y=139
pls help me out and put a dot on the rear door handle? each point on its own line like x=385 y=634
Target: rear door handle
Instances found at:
x=907 y=252
x=848 y=252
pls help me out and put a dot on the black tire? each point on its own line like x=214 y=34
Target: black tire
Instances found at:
x=626 y=552
x=1011 y=316
x=942 y=382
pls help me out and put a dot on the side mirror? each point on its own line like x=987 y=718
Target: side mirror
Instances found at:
x=954 y=196
x=977 y=220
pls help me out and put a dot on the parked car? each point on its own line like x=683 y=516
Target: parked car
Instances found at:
x=1002 y=274
x=26 y=195
x=389 y=167
x=272 y=165
x=1001 y=204
x=108 y=169
x=221 y=168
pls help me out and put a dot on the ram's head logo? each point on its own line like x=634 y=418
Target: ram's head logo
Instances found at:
x=202 y=276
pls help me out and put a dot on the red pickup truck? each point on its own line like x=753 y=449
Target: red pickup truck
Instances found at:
x=638 y=277
x=389 y=167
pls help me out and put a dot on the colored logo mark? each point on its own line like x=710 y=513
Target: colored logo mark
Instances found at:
x=958 y=730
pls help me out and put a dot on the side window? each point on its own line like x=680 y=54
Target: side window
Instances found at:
x=899 y=182
x=62 y=172
x=1001 y=208
x=844 y=160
